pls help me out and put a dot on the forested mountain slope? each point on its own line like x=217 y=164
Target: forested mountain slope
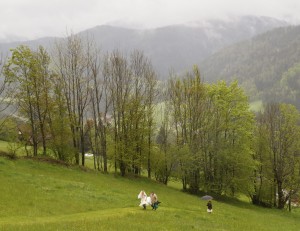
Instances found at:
x=175 y=47
x=268 y=66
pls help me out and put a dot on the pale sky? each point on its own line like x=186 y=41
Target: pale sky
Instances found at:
x=31 y=19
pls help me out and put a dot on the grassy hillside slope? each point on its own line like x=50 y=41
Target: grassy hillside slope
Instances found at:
x=42 y=196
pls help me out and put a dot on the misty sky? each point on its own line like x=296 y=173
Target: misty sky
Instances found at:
x=30 y=19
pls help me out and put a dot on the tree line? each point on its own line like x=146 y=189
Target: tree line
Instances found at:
x=77 y=100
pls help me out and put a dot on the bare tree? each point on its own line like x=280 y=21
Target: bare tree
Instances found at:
x=100 y=104
x=75 y=76
x=7 y=106
x=120 y=81
x=144 y=96
x=131 y=90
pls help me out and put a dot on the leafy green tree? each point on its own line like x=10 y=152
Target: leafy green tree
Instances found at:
x=29 y=70
x=142 y=110
x=282 y=132
x=289 y=86
x=262 y=185
x=187 y=100
x=9 y=132
x=165 y=160
x=131 y=92
x=59 y=124
x=214 y=125
x=119 y=84
x=100 y=104
x=175 y=100
x=230 y=139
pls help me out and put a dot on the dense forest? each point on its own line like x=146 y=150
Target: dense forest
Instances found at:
x=79 y=100
x=267 y=66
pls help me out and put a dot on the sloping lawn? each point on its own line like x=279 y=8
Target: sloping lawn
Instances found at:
x=41 y=196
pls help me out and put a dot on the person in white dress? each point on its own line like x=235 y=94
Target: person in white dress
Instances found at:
x=144 y=199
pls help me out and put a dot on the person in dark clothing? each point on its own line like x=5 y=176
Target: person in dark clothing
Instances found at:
x=154 y=201
x=209 y=207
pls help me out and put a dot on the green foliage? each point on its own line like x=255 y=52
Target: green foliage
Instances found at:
x=3 y=146
x=256 y=106
x=289 y=86
x=276 y=148
x=9 y=131
x=231 y=135
x=10 y=134
x=205 y=137
x=214 y=125
x=131 y=85
x=29 y=72
x=186 y=98
x=60 y=133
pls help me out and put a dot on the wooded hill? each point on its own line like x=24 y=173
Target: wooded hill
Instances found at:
x=79 y=99
x=176 y=47
x=267 y=66
x=263 y=65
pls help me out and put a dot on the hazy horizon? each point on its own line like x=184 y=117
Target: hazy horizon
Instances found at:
x=32 y=19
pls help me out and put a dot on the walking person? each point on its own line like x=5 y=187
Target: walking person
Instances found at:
x=154 y=201
x=143 y=196
x=209 y=207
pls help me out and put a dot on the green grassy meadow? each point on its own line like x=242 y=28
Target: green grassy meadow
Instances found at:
x=4 y=146
x=38 y=196
x=256 y=106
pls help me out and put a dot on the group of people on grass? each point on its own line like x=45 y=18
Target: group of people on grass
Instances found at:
x=153 y=201
x=148 y=200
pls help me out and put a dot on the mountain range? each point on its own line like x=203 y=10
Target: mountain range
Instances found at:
x=175 y=47
x=268 y=65
x=257 y=51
